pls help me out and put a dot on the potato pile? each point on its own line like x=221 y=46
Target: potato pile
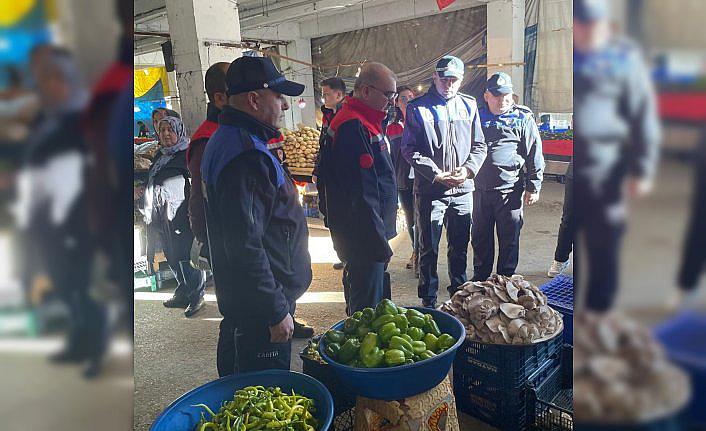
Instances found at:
x=301 y=147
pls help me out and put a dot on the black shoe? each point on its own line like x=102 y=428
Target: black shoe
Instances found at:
x=94 y=368
x=175 y=302
x=194 y=308
x=68 y=356
x=429 y=304
x=302 y=330
x=339 y=266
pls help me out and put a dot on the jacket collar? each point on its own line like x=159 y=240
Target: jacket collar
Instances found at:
x=233 y=117
x=212 y=112
x=373 y=116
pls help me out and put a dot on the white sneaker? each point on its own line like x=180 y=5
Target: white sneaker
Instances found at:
x=557 y=268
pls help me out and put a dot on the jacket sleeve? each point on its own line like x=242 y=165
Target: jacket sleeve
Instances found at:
x=197 y=216
x=413 y=146
x=479 y=149
x=354 y=161
x=534 y=162
x=643 y=119
x=246 y=193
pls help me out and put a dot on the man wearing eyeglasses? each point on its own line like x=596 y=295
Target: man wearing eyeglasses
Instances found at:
x=360 y=187
x=444 y=143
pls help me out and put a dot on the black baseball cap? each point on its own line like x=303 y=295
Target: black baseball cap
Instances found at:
x=449 y=67
x=500 y=83
x=590 y=10
x=257 y=73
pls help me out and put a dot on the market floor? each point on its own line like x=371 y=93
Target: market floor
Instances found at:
x=174 y=354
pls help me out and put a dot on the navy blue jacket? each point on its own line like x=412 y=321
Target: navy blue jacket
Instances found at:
x=441 y=135
x=256 y=227
x=617 y=129
x=515 y=156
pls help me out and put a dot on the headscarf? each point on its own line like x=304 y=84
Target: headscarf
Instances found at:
x=168 y=152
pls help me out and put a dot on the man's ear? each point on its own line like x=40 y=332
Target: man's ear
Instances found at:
x=253 y=100
x=485 y=96
x=221 y=99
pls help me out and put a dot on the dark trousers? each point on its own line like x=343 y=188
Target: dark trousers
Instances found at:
x=454 y=213
x=567 y=228
x=494 y=210
x=67 y=256
x=406 y=198
x=365 y=284
x=600 y=223
x=246 y=347
x=191 y=282
x=694 y=257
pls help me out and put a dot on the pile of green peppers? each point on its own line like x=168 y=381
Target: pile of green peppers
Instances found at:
x=257 y=408
x=386 y=336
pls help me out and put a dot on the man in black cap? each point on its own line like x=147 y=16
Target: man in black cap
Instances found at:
x=256 y=227
x=616 y=142
x=510 y=176
x=443 y=141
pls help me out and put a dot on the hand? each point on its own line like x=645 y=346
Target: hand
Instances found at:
x=638 y=187
x=459 y=175
x=314 y=179
x=531 y=198
x=282 y=332
x=443 y=178
x=138 y=192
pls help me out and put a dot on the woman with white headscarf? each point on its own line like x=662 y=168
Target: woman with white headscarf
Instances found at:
x=166 y=214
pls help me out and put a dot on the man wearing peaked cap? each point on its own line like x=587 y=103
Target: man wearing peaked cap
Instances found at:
x=443 y=142
x=510 y=176
x=256 y=226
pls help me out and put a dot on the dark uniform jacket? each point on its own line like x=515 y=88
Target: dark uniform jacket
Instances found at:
x=441 y=135
x=402 y=167
x=515 y=158
x=361 y=194
x=616 y=124
x=256 y=226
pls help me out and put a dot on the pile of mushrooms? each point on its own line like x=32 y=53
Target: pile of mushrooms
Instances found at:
x=504 y=310
x=621 y=374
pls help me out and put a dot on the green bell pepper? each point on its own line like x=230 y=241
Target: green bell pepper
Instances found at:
x=431 y=327
x=332 y=350
x=426 y=355
x=349 y=350
x=394 y=357
x=418 y=347
x=351 y=325
x=412 y=312
x=417 y=334
x=432 y=342
x=401 y=310
x=369 y=342
x=416 y=321
x=406 y=337
x=387 y=331
x=368 y=315
x=400 y=343
x=333 y=336
x=355 y=363
x=402 y=322
x=373 y=358
x=446 y=341
x=362 y=331
x=382 y=320
x=385 y=307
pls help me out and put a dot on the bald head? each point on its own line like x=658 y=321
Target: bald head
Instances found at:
x=376 y=85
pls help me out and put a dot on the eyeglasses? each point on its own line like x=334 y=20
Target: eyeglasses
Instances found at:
x=389 y=95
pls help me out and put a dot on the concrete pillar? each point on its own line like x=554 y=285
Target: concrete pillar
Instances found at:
x=300 y=49
x=506 y=39
x=193 y=25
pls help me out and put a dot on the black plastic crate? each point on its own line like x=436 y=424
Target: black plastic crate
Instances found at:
x=560 y=296
x=506 y=408
x=552 y=398
x=343 y=398
x=504 y=366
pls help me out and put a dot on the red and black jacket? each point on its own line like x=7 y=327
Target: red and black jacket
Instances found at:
x=361 y=194
x=194 y=154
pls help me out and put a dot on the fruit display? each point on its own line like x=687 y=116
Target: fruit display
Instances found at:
x=621 y=373
x=258 y=408
x=301 y=147
x=504 y=310
x=387 y=336
x=553 y=135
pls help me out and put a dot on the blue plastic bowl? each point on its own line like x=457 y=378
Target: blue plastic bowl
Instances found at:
x=181 y=416
x=404 y=381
